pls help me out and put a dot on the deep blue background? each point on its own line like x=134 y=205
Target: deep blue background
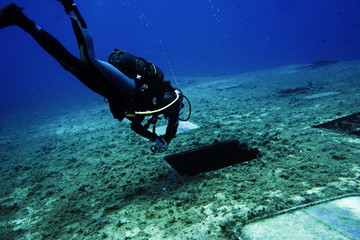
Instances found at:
x=183 y=37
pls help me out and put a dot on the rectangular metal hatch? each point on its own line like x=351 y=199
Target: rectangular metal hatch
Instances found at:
x=211 y=157
x=349 y=124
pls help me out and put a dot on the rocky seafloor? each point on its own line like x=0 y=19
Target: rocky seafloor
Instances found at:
x=77 y=173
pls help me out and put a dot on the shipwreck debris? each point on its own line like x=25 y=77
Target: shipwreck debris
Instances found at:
x=211 y=157
x=349 y=124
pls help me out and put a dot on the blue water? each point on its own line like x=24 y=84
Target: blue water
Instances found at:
x=184 y=37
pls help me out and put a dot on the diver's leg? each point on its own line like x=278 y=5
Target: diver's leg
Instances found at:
x=11 y=15
x=121 y=85
x=73 y=64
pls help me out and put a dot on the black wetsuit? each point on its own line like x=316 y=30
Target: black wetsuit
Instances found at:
x=99 y=76
x=172 y=113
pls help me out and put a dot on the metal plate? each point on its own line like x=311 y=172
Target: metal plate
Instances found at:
x=211 y=157
x=349 y=124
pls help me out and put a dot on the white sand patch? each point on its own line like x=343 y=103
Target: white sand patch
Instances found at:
x=352 y=140
x=319 y=95
x=276 y=193
x=297 y=198
x=74 y=128
x=315 y=190
x=20 y=223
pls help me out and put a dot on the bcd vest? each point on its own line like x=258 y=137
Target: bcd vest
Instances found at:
x=149 y=79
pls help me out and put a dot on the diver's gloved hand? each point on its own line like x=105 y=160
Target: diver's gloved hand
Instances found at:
x=160 y=145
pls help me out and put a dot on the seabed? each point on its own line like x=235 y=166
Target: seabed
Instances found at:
x=76 y=173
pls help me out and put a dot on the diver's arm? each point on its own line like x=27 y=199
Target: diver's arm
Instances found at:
x=172 y=114
x=163 y=141
x=173 y=121
x=137 y=127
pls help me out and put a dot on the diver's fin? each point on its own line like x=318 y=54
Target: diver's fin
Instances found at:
x=10 y=15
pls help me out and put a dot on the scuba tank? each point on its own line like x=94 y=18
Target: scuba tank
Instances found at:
x=135 y=67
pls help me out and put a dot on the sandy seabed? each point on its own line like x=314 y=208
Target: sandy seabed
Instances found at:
x=76 y=173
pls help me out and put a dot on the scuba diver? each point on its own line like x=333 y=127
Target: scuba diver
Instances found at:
x=133 y=87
